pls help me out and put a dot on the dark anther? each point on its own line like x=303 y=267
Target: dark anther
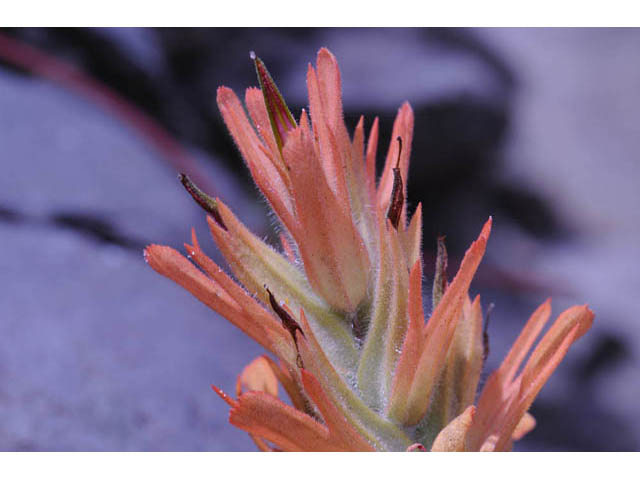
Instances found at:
x=485 y=333
x=288 y=322
x=207 y=203
x=397 y=193
x=440 y=279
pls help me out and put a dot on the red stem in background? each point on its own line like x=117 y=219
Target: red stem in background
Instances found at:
x=70 y=77
x=75 y=80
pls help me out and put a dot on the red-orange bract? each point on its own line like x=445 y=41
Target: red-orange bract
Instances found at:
x=341 y=308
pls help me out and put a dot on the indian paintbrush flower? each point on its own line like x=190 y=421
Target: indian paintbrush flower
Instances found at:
x=341 y=305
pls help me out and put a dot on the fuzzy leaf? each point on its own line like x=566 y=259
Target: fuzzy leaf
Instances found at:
x=388 y=324
x=335 y=258
x=377 y=431
x=256 y=264
x=439 y=333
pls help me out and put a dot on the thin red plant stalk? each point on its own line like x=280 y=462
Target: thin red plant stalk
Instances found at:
x=75 y=80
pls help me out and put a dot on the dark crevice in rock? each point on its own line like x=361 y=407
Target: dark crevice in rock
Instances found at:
x=96 y=228
x=9 y=215
x=92 y=226
x=608 y=352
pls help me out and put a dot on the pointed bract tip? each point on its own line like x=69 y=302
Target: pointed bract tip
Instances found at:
x=152 y=253
x=586 y=320
x=230 y=401
x=486 y=228
x=222 y=93
x=194 y=239
x=280 y=117
x=207 y=203
x=145 y=253
x=325 y=51
x=252 y=55
x=324 y=54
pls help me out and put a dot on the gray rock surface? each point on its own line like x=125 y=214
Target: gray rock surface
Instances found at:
x=576 y=138
x=97 y=351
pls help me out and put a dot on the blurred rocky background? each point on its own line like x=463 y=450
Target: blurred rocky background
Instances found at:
x=537 y=127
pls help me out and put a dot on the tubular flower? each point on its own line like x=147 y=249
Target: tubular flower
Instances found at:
x=340 y=304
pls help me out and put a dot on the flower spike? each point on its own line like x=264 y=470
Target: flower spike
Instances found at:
x=338 y=305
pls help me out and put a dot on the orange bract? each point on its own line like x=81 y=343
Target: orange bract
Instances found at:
x=342 y=306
